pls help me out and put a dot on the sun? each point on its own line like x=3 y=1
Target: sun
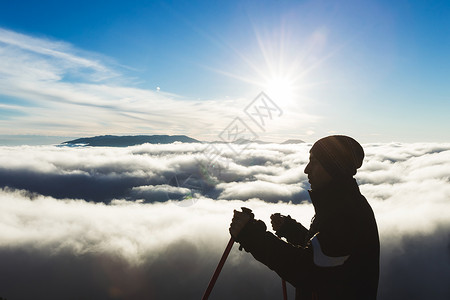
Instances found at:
x=280 y=88
x=278 y=62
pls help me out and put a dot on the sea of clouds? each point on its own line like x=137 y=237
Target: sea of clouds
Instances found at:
x=151 y=221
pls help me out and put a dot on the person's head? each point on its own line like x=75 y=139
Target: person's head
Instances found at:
x=333 y=157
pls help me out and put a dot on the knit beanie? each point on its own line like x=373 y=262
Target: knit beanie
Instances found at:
x=340 y=155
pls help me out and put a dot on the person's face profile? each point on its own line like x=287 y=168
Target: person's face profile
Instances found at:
x=318 y=177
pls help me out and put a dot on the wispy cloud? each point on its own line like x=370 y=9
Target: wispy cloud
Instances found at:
x=64 y=55
x=58 y=89
x=61 y=86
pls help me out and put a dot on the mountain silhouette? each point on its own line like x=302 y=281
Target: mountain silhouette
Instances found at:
x=132 y=140
x=292 y=141
x=129 y=140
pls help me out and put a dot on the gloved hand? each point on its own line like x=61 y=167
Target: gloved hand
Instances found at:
x=277 y=221
x=240 y=219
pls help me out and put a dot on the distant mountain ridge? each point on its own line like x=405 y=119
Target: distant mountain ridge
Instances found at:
x=292 y=141
x=132 y=140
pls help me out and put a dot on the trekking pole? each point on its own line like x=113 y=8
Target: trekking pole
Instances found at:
x=283 y=285
x=223 y=259
x=218 y=269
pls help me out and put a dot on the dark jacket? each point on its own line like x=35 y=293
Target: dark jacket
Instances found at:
x=337 y=258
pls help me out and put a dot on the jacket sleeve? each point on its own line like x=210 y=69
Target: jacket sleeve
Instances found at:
x=294 y=232
x=301 y=266
x=290 y=262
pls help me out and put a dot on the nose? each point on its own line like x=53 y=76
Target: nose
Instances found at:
x=306 y=171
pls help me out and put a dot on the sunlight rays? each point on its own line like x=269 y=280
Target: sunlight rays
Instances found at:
x=280 y=62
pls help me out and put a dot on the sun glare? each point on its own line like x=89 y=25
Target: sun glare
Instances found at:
x=279 y=61
x=280 y=89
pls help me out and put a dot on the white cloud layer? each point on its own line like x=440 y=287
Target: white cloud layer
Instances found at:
x=97 y=222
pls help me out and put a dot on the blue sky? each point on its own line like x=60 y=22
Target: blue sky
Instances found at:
x=375 y=70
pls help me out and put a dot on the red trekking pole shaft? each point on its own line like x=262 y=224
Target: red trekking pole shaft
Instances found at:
x=218 y=269
x=283 y=284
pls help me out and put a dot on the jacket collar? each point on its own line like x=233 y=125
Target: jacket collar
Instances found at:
x=334 y=196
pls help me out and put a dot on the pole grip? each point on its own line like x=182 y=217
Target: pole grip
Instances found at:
x=218 y=269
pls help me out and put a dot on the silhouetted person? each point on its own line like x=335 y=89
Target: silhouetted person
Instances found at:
x=338 y=257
